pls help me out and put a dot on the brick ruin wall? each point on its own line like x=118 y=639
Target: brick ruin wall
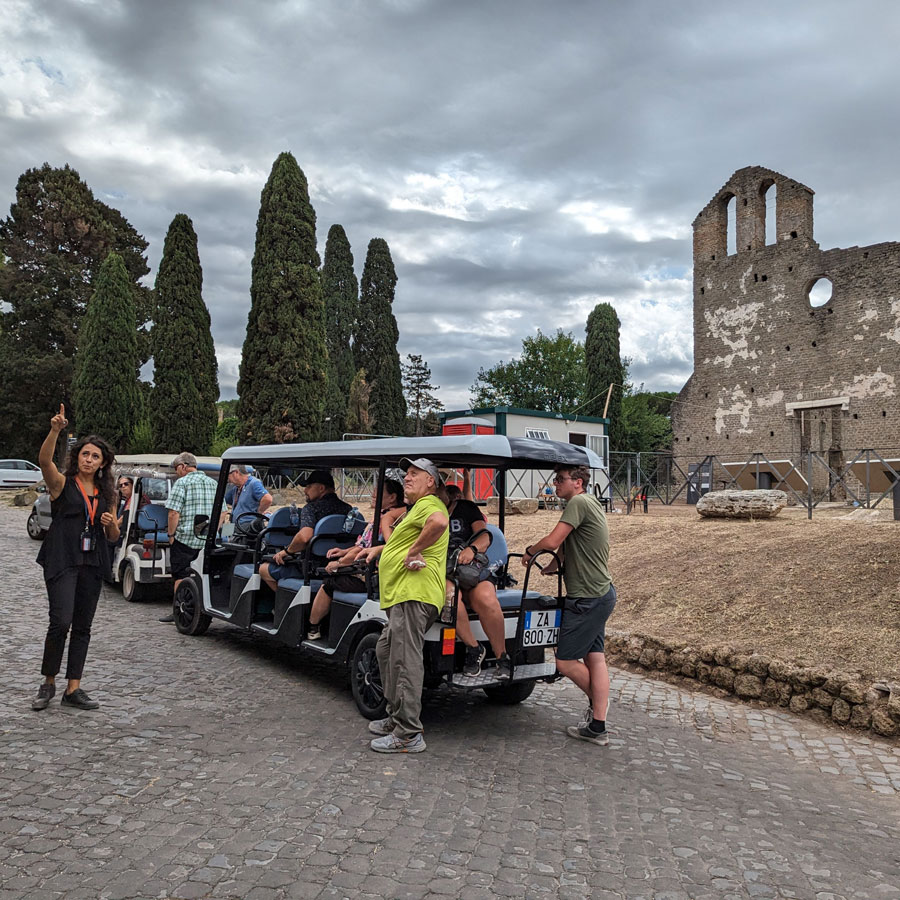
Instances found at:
x=761 y=348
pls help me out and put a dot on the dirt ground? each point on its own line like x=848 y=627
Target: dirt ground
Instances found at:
x=825 y=591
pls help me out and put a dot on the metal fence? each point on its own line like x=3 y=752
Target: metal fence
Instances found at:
x=861 y=478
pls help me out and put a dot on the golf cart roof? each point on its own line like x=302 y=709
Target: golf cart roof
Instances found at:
x=159 y=465
x=485 y=451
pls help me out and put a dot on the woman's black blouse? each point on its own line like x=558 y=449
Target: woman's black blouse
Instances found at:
x=61 y=549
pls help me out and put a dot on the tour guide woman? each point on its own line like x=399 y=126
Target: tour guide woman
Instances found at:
x=75 y=554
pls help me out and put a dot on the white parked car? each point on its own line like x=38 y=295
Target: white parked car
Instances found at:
x=16 y=473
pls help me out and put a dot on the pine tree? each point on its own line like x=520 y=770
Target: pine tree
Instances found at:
x=54 y=242
x=340 y=294
x=283 y=366
x=375 y=340
x=105 y=392
x=417 y=387
x=604 y=368
x=358 y=419
x=183 y=412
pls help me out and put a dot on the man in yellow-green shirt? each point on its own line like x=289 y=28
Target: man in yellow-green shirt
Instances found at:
x=412 y=570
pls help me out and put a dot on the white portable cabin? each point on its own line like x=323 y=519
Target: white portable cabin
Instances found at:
x=583 y=431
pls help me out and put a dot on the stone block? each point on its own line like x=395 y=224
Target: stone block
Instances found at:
x=748 y=686
x=704 y=670
x=738 y=662
x=26 y=498
x=723 y=677
x=860 y=716
x=883 y=723
x=840 y=711
x=780 y=670
x=822 y=698
x=758 y=665
x=647 y=658
x=742 y=504
x=853 y=692
x=722 y=655
x=799 y=703
x=524 y=506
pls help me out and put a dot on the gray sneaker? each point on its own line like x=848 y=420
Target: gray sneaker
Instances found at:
x=583 y=733
x=589 y=715
x=44 y=696
x=390 y=743
x=382 y=726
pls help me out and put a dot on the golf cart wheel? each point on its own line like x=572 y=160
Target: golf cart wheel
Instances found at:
x=35 y=532
x=132 y=589
x=510 y=694
x=365 y=679
x=188 y=609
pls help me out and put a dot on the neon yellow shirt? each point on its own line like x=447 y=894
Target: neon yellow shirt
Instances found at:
x=398 y=584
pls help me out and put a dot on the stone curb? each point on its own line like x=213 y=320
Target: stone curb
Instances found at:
x=825 y=695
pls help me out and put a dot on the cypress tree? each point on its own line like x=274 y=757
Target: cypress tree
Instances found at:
x=340 y=293
x=604 y=367
x=105 y=392
x=281 y=388
x=54 y=242
x=183 y=412
x=375 y=340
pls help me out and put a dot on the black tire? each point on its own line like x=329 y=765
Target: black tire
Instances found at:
x=365 y=678
x=132 y=589
x=510 y=694
x=188 y=609
x=35 y=532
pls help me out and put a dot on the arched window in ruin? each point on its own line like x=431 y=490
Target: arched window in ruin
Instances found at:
x=730 y=203
x=819 y=292
x=769 y=192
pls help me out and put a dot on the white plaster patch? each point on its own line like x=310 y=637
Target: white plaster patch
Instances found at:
x=776 y=398
x=732 y=327
x=893 y=334
x=741 y=405
x=877 y=384
x=743 y=281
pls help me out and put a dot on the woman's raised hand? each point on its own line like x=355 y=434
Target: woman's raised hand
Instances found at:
x=59 y=421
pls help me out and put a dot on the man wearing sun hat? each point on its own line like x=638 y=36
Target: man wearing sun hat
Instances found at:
x=412 y=568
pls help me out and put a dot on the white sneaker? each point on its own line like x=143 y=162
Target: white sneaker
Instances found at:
x=390 y=743
x=382 y=726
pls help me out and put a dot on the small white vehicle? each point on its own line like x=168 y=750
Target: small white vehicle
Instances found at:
x=140 y=559
x=18 y=473
x=226 y=584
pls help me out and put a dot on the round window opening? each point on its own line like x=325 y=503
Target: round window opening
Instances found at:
x=819 y=292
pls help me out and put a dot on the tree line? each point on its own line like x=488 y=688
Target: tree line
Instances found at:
x=556 y=373
x=319 y=357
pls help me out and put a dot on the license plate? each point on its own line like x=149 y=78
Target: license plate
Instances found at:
x=541 y=627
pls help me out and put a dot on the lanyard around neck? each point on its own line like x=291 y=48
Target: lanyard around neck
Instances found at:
x=90 y=508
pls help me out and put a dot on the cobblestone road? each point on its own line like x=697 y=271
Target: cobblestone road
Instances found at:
x=223 y=767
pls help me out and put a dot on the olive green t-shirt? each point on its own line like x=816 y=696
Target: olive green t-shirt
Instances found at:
x=396 y=582
x=586 y=565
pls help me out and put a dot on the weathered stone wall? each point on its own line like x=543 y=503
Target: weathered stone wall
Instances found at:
x=840 y=697
x=760 y=346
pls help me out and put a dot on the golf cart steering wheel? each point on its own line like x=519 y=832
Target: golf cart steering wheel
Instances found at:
x=250 y=523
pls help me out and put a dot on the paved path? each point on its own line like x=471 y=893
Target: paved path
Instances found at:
x=223 y=767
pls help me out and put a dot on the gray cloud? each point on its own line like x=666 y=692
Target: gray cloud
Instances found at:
x=523 y=160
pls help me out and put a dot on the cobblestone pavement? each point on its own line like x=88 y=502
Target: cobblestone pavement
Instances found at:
x=223 y=767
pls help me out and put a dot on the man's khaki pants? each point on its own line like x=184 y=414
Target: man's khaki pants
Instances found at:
x=401 y=661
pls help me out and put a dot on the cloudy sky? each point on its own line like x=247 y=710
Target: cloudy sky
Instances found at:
x=524 y=160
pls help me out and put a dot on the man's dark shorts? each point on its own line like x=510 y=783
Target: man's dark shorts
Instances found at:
x=180 y=558
x=583 y=628
x=288 y=570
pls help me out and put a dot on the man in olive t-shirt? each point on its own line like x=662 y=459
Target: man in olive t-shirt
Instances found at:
x=583 y=535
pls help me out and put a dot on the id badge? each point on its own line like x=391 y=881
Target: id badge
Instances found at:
x=87 y=542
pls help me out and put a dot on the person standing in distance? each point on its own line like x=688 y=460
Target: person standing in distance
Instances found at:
x=74 y=555
x=192 y=495
x=583 y=534
x=412 y=570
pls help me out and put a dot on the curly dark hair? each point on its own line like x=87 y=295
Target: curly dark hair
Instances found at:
x=392 y=486
x=104 y=476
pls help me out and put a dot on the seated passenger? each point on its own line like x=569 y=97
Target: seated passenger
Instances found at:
x=465 y=520
x=392 y=509
x=246 y=494
x=321 y=501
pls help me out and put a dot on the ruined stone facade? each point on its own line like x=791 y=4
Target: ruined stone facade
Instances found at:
x=774 y=373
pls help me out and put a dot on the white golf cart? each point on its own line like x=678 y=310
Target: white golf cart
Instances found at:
x=226 y=584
